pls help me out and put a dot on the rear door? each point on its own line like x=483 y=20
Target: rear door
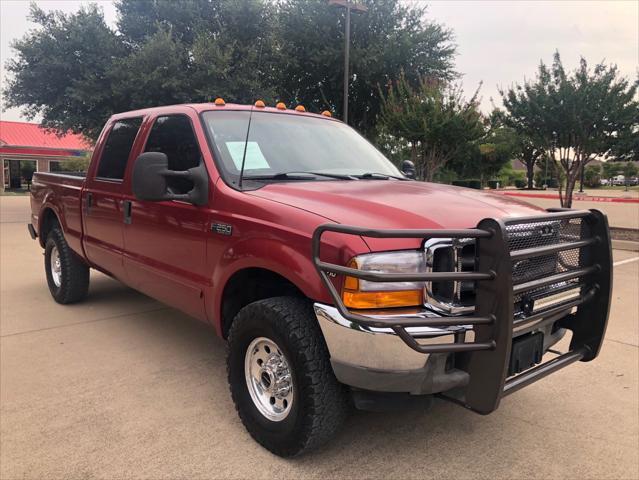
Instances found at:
x=104 y=195
x=165 y=242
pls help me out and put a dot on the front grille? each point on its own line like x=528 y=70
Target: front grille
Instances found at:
x=525 y=236
x=458 y=255
x=450 y=255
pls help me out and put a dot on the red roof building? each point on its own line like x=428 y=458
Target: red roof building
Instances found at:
x=22 y=142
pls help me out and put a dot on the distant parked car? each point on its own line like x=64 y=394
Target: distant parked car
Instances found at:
x=619 y=180
x=604 y=181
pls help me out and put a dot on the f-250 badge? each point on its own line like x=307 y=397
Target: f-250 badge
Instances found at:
x=222 y=228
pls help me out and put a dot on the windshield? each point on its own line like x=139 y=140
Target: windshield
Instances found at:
x=281 y=143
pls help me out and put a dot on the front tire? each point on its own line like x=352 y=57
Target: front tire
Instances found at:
x=67 y=274
x=281 y=378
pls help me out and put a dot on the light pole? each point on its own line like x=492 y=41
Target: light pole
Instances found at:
x=357 y=8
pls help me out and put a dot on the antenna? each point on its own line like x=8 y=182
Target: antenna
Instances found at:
x=248 y=128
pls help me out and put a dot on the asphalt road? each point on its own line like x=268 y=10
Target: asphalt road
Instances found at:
x=121 y=386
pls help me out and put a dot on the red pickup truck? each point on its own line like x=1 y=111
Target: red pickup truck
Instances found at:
x=335 y=278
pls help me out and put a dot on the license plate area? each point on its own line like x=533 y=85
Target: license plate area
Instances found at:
x=526 y=352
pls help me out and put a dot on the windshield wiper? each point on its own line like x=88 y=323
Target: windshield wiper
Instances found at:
x=380 y=176
x=299 y=176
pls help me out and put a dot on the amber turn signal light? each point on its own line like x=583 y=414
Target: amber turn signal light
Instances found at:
x=260 y=104
x=326 y=113
x=300 y=108
x=280 y=106
x=393 y=299
x=219 y=102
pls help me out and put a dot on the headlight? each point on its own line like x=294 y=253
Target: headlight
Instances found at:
x=364 y=294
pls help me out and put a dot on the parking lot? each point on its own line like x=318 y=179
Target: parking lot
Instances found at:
x=121 y=386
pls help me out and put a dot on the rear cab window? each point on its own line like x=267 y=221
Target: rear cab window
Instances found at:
x=117 y=149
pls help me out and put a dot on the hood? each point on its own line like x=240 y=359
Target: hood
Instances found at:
x=391 y=204
x=396 y=204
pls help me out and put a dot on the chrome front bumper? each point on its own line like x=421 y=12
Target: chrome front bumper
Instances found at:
x=377 y=359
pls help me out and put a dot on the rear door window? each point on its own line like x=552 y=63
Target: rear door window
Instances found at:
x=117 y=148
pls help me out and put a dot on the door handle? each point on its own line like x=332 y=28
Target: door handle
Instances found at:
x=89 y=202
x=126 y=208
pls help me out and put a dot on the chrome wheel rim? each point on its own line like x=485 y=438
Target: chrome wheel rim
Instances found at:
x=268 y=379
x=56 y=267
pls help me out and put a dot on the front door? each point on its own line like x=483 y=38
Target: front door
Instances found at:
x=165 y=242
x=104 y=196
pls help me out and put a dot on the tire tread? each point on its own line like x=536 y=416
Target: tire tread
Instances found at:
x=325 y=400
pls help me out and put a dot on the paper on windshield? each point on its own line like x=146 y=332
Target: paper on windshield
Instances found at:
x=254 y=157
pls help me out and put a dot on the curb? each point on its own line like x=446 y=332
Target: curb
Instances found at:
x=626 y=245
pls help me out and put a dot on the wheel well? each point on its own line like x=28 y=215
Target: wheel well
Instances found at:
x=249 y=285
x=49 y=219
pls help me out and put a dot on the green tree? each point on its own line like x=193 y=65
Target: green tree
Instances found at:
x=526 y=148
x=486 y=157
x=80 y=164
x=575 y=116
x=74 y=71
x=436 y=122
x=63 y=71
x=27 y=169
x=391 y=36
x=611 y=169
x=497 y=148
x=592 y=176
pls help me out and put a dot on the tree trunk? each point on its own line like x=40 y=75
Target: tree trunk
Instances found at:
x=530 y=171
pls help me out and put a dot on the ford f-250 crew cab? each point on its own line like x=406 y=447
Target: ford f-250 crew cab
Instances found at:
x=333 y=277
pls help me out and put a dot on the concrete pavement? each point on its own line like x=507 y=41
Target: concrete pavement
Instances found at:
x=121 y=386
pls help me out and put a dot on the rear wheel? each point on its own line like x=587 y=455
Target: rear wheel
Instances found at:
x=281 y=378
x=67 y=274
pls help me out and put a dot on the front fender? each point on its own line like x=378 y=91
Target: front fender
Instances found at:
x=291 y=260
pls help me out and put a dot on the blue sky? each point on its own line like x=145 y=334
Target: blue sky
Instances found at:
x=499 y=42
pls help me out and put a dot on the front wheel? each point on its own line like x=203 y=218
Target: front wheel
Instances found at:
x=281 y=378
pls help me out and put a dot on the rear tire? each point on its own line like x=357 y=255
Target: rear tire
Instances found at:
x=67 y=274
x=312 y=403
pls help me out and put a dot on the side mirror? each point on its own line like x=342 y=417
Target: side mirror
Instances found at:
x=150 y=173
x=408 y=169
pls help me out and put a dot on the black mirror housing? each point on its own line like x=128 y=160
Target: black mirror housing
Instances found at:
x=408 y=169
x=150 y=172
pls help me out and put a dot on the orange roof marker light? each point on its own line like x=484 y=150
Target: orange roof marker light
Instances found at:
x=300 y=108
x=280 y=106
x=260 y=104
x=326 y=113
x=219 y=102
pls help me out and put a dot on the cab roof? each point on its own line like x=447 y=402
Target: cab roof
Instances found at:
x=204 y=107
